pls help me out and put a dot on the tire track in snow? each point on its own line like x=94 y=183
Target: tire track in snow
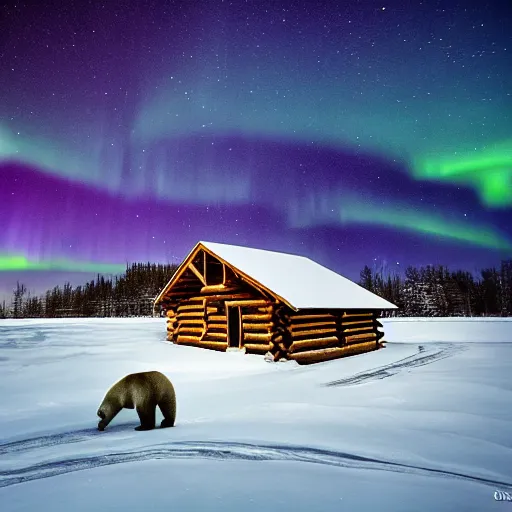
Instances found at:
x=231 y=451
x=423 y=357
x=46 y=441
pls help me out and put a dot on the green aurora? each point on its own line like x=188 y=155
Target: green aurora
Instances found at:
x=16 y=262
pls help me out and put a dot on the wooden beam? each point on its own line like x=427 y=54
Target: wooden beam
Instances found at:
x=261 y=318
x=197 y=273
x=256 y=336
x=312 y=344
x=313 y=318
x=316 y=356
x=316 y=325
x=195 y=342
x=189 y=307
x=356 y=323
x=181 y=338
x=179 y=271
x=217 y=318
x=247 y=303
x=219 y=288
x=217 y=335
x=360 y=330
x=191 y=321
x=205 y=267
x=314 y=332
x=360 y=338
x=190 y=314
x=351 y=315
x=217 y=326
x=260 y=348
x=258 y=327
x=189 y=330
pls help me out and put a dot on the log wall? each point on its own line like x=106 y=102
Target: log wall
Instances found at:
x=305 y=337
x=196 y=315
x=201 y=320
x=322 y=335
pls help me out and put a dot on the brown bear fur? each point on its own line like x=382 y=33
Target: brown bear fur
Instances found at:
x=142 y=391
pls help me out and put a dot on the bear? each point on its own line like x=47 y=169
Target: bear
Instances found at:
x=142 y=391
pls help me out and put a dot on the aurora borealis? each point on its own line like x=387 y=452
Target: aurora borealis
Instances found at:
x=352 y=133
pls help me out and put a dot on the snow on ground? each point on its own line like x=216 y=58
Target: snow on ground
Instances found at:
x=424 y=424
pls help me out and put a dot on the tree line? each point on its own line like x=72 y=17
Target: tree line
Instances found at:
x=437 y=291
x=423 y=291
x=131 y=294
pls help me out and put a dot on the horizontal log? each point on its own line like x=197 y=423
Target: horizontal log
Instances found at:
x=246 y=303
x=312 y=344
x=314 y=333
x=211 y=309
x=217 y=318
x=312 y=318
x=257 y=318
x=352 y=315
x=315 y=325
x=219 y=288
x=359 y=338
x=253 y=336
x=260 y=348
x=191 y=321
x=217 y=326
x=189 y=307
x=356 y=323
x=235 y=296
x=211 y=345
x=199 y=314
x=190 y=330
x=262 y=327
x=181 y=338
x=316 y=356
x=266 y=309
x=217 y=335
x=362 y=330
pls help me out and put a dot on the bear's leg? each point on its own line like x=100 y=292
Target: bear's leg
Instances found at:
x=168 y=407
x=147 y=417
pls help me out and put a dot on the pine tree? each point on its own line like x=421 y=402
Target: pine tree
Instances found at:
x=18 y=298
x=366 y=278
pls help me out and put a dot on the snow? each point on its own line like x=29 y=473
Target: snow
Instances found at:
x=423 y=424
x=298 y=280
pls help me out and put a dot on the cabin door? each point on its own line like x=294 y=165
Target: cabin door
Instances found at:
x=233 y=319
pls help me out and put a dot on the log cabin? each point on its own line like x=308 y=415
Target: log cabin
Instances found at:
x=284 y=306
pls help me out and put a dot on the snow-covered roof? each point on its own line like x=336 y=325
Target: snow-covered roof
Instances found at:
x=301 y=282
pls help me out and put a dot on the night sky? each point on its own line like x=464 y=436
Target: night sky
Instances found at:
x=353 y=133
